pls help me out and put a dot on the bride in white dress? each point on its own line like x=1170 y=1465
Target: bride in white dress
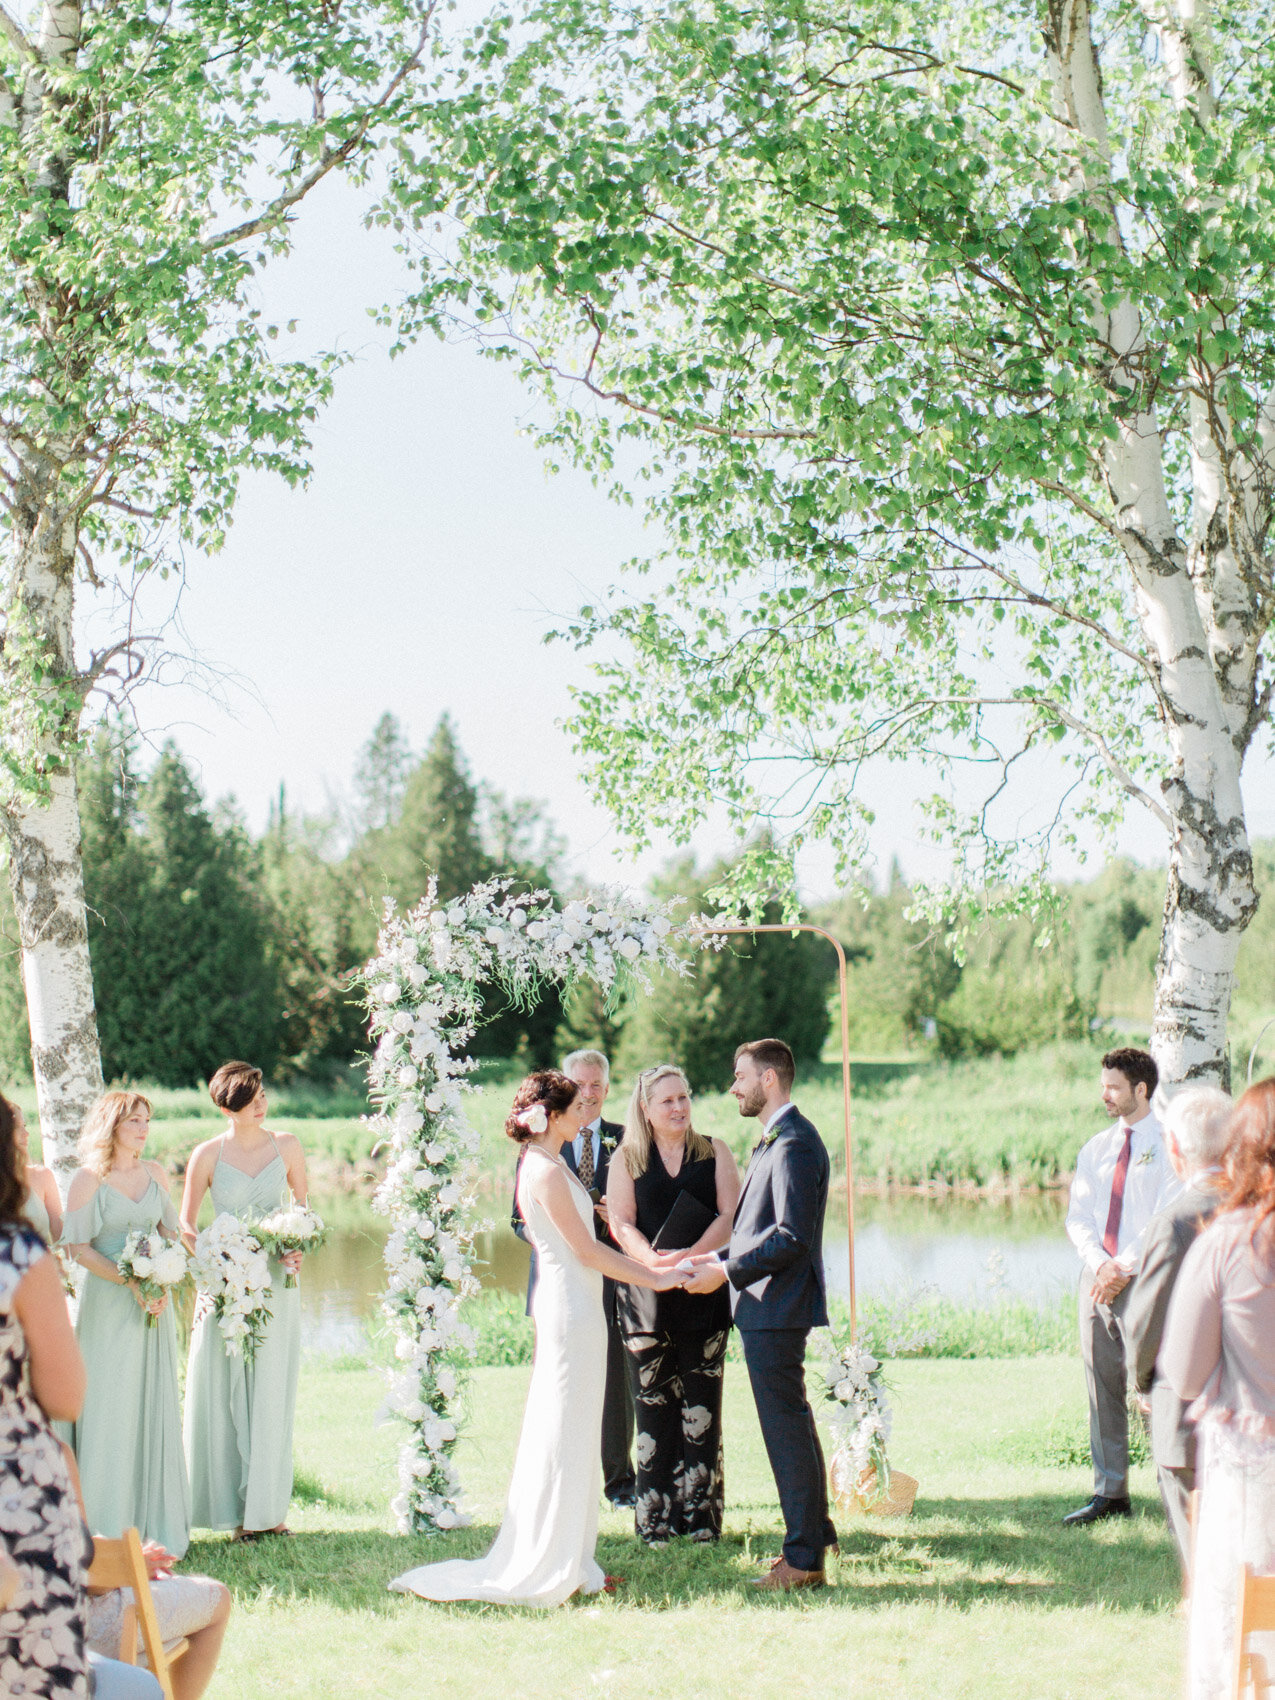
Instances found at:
x=544 y=1551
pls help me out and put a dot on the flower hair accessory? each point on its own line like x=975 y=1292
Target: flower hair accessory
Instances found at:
x=533 y=1118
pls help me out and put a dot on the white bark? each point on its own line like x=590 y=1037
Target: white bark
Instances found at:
x=46 y=878
x=41 y=702
x=45 y=864
x=1198 y=628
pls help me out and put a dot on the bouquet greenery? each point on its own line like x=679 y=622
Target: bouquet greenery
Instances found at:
x=153 y=1265
x=293 y=1228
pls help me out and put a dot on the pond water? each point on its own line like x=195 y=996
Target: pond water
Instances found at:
x=973 y=1251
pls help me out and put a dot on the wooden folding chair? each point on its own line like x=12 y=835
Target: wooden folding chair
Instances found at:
x=1254 y=1611
x=120 y=1564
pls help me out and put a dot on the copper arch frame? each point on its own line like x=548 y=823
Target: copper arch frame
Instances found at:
x=805 y=927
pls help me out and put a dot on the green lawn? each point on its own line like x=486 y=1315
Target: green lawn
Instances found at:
x=980 y=1593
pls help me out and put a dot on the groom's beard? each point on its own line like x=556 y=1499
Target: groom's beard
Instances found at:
x=753 y=1104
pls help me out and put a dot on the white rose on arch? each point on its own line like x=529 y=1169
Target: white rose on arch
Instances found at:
x=436 y=959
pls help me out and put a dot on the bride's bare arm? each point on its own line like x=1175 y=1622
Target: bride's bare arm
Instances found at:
x=552 y=1189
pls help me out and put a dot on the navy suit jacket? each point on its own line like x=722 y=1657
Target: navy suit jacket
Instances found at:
x=774 y=1262
x=609 y=1131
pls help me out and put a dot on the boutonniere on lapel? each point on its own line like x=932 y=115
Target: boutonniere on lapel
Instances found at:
x=1146 y=1157
x=770 y=1136
x=607 y=1141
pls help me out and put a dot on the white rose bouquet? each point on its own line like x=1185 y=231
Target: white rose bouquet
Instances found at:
x=153 y=1265
x=293 y=1228
x=233 y=1270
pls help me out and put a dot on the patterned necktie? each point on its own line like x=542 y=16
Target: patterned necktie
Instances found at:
x=584 y=1168
x=1111 y=1239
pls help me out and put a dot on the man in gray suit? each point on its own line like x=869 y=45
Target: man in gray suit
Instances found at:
x=1196 y=1128
x=1122 y=1180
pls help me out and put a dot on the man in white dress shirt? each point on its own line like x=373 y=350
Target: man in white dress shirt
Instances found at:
x=1123 y=1177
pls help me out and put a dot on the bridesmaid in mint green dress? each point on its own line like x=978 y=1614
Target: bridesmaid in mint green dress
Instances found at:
x=128 y=1438
x=239 y=1416
x=43 y=1207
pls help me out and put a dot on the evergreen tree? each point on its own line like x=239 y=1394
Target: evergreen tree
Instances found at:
x=116 y=887
x=769 y=986
x=311 y=947
x=380 y=775
x=184 y=979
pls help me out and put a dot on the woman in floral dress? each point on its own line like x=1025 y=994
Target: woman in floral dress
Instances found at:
x=42 y=1654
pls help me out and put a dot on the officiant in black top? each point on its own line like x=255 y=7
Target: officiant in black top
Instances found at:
x=671 y=1193
x=589 y=1156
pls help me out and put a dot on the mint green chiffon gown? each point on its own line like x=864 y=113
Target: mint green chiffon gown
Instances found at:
x=128 y=1437
x=239 y=1416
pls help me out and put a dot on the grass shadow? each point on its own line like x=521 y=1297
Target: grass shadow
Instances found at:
x=955 y=1552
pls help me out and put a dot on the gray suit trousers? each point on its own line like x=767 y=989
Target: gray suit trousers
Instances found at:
x=1102 y=1347
x=1176 y=1488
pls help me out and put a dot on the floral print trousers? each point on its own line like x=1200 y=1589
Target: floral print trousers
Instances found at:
x=677 y=1392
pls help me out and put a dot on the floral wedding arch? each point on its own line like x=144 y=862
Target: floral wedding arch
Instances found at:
x=424 y=1000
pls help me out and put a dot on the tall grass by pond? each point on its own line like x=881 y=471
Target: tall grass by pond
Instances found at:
x=989 y=1123
x=917 y=1326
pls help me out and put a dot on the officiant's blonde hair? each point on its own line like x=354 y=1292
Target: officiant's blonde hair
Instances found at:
x=635 y=1147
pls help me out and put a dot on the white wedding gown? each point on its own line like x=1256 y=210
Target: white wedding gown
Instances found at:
x=544 y=1551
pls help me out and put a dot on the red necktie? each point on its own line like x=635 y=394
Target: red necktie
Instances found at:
x=1111 y=1239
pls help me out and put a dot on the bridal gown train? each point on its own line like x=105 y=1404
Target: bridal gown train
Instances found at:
x=544 y=1551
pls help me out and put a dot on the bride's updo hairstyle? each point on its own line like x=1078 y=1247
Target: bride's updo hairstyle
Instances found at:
x=546 y=1088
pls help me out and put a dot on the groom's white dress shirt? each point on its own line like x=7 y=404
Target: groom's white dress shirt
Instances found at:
x=781 y=1111
x=1149 y=1185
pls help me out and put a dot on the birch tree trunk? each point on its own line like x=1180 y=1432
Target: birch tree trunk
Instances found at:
x=43 y=695
x=1195 y=625
x=46 y=875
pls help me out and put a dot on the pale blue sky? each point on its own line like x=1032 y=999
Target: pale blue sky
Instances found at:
x=416 y=573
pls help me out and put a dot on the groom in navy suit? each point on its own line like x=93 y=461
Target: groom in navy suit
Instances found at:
x=774 y=1264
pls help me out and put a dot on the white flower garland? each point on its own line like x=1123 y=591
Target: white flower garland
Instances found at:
x=424 y=1003
x=861 y=1417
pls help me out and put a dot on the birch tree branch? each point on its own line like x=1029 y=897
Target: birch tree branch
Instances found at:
x=277 y=211
x=16 y=36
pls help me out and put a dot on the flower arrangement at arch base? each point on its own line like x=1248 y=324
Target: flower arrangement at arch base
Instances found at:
x=860 y=1475
x=424 y=1002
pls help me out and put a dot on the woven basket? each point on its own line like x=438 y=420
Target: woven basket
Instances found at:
x=861 y=1498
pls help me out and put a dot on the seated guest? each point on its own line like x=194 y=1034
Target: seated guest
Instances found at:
x=196 y=1607
x=676 y=1340
x=1196 y=1130
x=1219 y=1350
x=111 y=1679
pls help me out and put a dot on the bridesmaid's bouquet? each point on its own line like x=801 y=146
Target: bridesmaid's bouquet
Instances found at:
x=293 y=1228
x=153 y=1265
x=232 y=1269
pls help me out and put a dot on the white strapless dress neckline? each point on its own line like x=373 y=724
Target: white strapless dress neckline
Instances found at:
x=544 y=1551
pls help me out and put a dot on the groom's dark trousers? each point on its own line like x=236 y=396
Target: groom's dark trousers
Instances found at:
x=775 y=1268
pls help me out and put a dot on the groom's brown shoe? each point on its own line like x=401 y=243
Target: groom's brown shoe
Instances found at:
x=782 y=1577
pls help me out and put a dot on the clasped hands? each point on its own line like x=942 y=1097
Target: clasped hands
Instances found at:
x=1109 y=1281
x=702 y=1273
